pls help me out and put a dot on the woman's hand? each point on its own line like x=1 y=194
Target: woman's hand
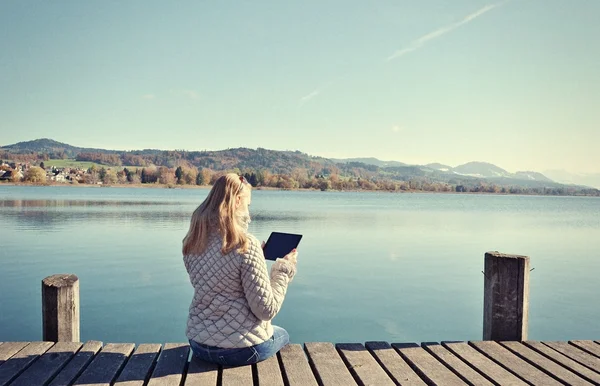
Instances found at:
x=292 y=256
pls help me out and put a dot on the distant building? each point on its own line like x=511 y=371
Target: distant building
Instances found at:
x=9 y=175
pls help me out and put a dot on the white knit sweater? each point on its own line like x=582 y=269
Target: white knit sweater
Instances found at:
x=235 y=298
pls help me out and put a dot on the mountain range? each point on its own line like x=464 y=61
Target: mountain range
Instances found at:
x=286 y=161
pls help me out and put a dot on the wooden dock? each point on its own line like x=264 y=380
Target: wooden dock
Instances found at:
x=503 y=357
x=374 y=363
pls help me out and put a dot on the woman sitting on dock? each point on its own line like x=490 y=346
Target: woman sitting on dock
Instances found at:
x=235 y=297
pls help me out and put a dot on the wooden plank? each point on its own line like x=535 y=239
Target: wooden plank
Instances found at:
x=48 y=365
x=393 y=364
x=76 y=365
x=201 y=373
x=362 y=365
x=268 y=372
x=16 y=364
x=171 y=365
x=234 y=376
x=432 y=371
x=295 y=368
x=567 y=362
x=460 y=368
x=544 y=363
x=576 y=354
x=106 y=365
x=483 y=364
x=327 y=365
x=139 y=366
x=9 y=349
x=514 y=364
x=588 y=346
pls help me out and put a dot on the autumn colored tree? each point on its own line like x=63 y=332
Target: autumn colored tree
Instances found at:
x=190 y=175
x=200 y=178
x=110 y=177
x=166 y=175
x=122 y=177
x=35 y=175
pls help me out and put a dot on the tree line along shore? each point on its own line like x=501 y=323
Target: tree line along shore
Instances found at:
x=298 y=179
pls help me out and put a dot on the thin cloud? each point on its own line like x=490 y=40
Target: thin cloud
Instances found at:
x=420 y=42
x=316 y=92
x=396 y=128
x=148 y=96
x=309 y=96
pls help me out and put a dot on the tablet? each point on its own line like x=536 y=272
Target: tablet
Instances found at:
x=280 y=244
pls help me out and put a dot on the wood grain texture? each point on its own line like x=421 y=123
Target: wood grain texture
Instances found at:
x=460 y=368
x=16 y=364
x=139 y=366
x=234 y=376
x=295 y=367
x=268 y=372
x=548 y=365
x=490 y=369
x=505 y=297
x=576 y=354
x=77 y=364
x=362 y=365
x=60 y=308
x=48 y=365
x=393 y=364
x=171 y=365
x=327 y=365
x=9 y=349
x=587 y=346
x=565 y=361
x=104 y=368
x=201 y=373
x=515 y=364
x=429 y=368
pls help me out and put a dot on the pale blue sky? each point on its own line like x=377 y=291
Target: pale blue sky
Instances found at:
x=515 y=83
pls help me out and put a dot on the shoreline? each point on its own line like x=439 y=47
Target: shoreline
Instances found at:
x=207 y=187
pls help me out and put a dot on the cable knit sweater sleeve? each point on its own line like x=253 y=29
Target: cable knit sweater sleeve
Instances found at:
x=264 y=292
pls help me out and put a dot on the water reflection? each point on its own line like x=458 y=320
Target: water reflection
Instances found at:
x=77 y=203
x=389 y=263
x=49 y=215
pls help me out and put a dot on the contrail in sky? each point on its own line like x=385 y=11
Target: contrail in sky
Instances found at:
x=420 y=42
x=309 y=96
x=417 y=44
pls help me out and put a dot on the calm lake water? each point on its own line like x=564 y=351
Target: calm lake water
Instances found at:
x=371 y=266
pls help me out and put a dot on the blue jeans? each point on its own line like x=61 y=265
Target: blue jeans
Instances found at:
x=245 y=355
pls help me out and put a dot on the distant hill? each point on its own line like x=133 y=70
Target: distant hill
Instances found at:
x=369 y=161
x=291 y=162
x=438 y=166
x=50 y=146
x=532 y=176
x=481 y=169
x=573 y=178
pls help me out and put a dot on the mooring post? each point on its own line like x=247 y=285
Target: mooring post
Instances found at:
x=506 y=297
x=60 y=308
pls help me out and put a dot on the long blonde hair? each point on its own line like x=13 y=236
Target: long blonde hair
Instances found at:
x=218 y=208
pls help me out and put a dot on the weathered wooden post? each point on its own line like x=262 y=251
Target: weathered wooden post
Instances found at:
x=60 y=308
x=506 y=297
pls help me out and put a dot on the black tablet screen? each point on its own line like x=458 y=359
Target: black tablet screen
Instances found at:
x=280 y=244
